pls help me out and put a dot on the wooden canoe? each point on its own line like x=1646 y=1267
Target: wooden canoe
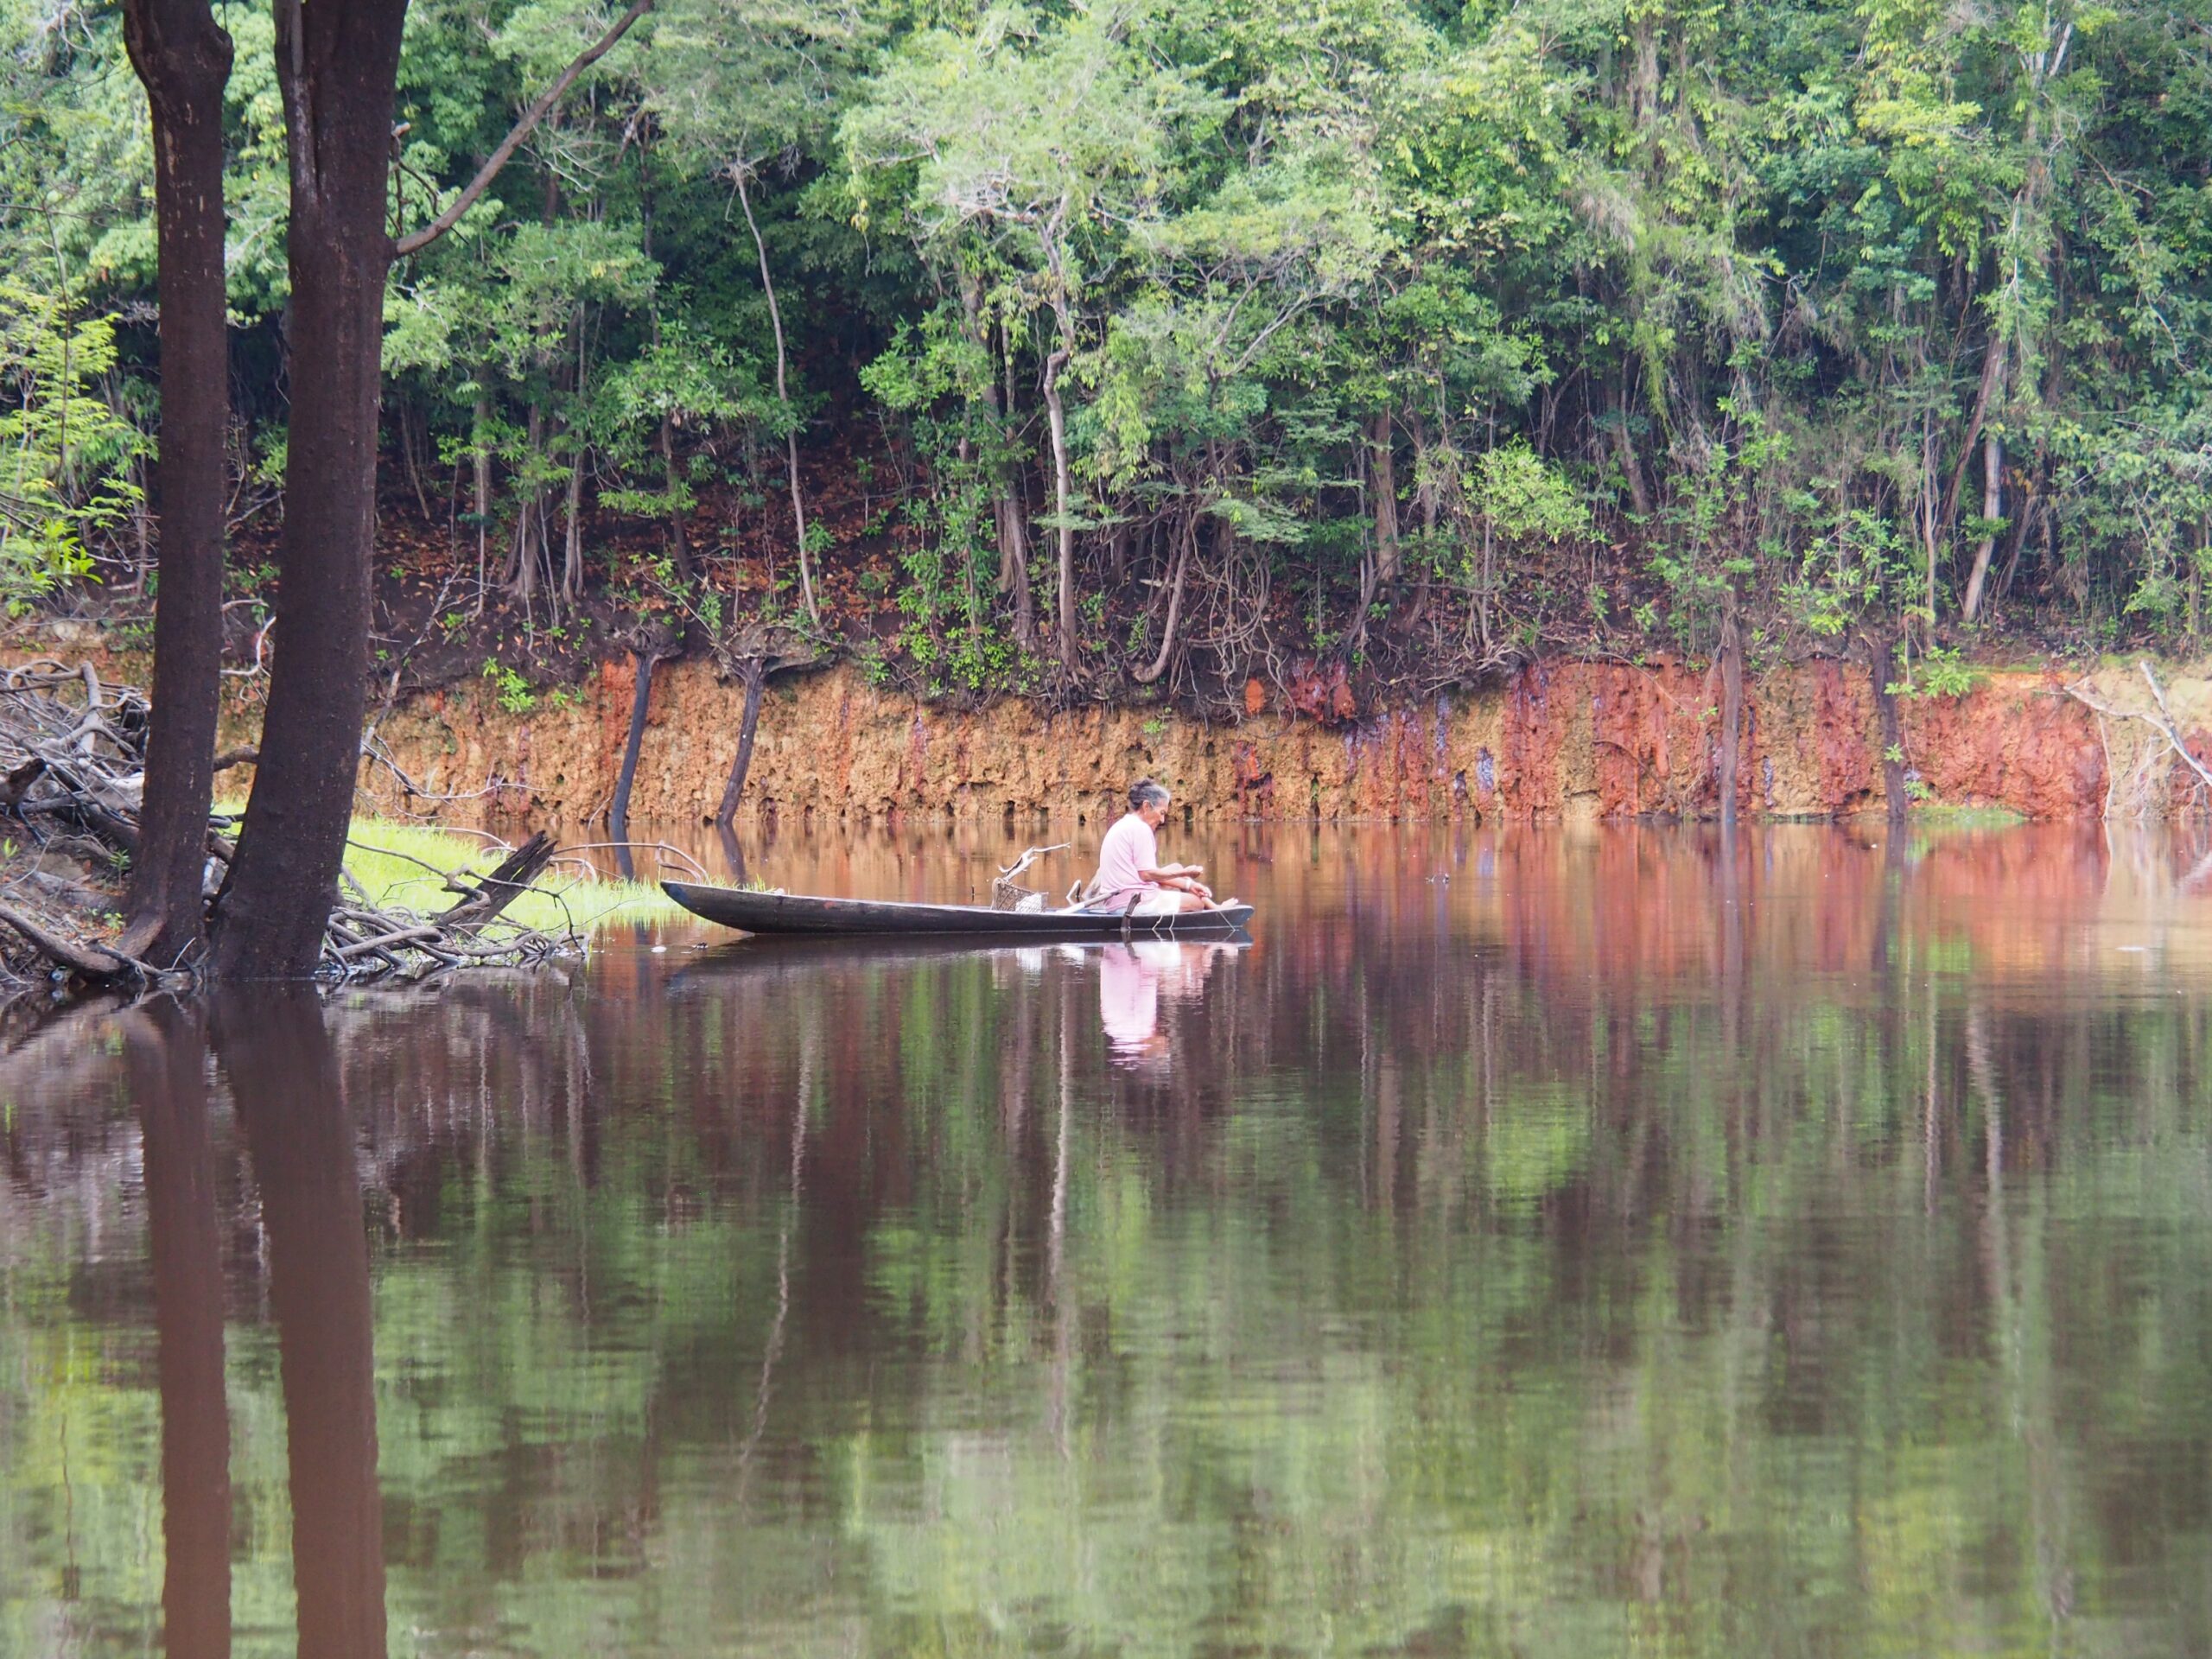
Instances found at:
x=800 y=913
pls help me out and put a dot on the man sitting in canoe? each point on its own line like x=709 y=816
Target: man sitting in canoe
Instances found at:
x=1130 y=875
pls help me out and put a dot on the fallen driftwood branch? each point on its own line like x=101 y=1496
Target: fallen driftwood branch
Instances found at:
x=71 y=773
x=483 y=900
x=91 y=961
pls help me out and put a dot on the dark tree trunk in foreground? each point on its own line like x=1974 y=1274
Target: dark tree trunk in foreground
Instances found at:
x=167 y=1056
x=755 y=675
x=283 y=1074
x=336 y=66
x=184 y=60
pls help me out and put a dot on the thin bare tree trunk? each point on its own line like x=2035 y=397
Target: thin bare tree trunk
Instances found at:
x=1056 y=362
x=783 y=398
x=1385 y=472
x=1732 y=709
x=1929 y=537
x=522 y=566
x=1993 y=374
x=1882 y=667
x=1993 y=507
x=680 y=544
x=1056 y=416
x=572 y=553
x=1014 y=525
x=644 y=657
x=480 y=429
x=1158 y=666
x=1639 y=494
x=755 y=674
x=408 y=436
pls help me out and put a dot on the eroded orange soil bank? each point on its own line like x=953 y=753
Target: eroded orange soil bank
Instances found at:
x=1566 y=740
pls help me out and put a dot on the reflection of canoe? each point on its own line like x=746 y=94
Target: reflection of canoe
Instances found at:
x=776 y=953
x=782 y=912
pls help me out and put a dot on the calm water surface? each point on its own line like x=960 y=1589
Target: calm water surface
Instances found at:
x=1533 y=1244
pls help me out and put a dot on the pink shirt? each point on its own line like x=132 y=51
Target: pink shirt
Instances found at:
x=1128 y=846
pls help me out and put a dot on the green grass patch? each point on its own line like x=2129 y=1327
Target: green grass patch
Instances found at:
x=399 y=865
x=1931 y=822
x=1937 y=816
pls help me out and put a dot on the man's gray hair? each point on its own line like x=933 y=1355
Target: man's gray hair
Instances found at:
x=1144 y=792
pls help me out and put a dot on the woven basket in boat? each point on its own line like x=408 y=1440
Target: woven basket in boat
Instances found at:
x=1011 y=895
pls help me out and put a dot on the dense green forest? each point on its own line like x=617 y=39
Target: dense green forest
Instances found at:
x=1165 y=345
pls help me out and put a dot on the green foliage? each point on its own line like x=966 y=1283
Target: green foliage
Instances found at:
x=510 y=686
x=1942 y=673
x=1683 y=306
x=65 y=456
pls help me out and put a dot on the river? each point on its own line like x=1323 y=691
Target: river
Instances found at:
x=1533 y=1242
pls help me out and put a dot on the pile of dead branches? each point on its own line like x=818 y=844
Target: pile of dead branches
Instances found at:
x=72 y=761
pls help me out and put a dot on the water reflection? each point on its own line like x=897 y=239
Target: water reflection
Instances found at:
x=284 y=1073
x=165 y=1056
x=1132 y=979
x=1797 y=1243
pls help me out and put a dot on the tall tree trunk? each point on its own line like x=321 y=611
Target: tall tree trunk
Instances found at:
x=283 y=1074
x=1006 y=516
x=1992 y=376
x=755 y=673
x=1056 y=363
x=1063 y=506
x=572 y=533
x=1731 y=707
x=1639 y=494
x=185 y=61
x=169 y=1085
x=523 y=563
x=409 y=422
x=572 y=551
x=1931 y=534
x=1158 y=666
x=1882 y=666
x=336 y=66
x=1385 y=472
x=680 y=545
x=1992 y=508
x=782 y=399
x=572 y=537
x=481 y=429
x=1013 y=509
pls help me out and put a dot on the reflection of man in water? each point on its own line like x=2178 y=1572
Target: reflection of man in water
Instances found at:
x=1130 y=980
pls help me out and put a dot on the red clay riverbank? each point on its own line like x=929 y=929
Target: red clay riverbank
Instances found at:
x=1571 y=740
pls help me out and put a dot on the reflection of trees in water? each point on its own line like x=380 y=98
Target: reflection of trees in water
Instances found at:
x=283 y=1077
x=167 y=1052
x=1647 y=1222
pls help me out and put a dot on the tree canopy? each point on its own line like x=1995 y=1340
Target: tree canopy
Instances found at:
x=1144 y=344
